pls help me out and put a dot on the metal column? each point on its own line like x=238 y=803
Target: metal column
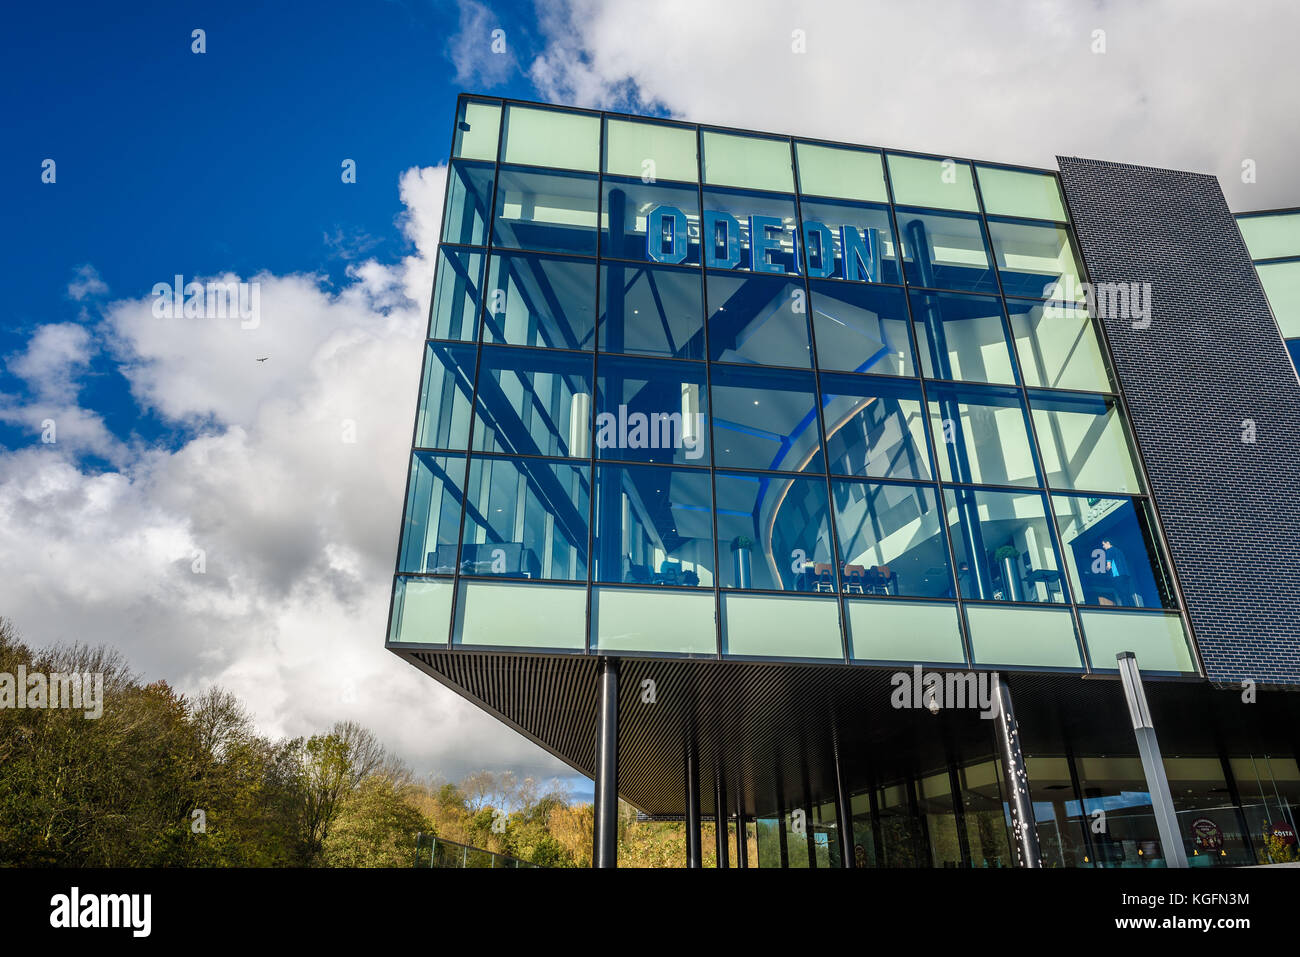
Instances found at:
x=843 y=816
x=1023 y=825
x=720 y=817
x=1162 y=802
x=693 y=856
x=605 y=836
x=742 y=845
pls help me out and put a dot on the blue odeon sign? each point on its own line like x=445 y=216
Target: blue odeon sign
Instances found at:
x=858 y=261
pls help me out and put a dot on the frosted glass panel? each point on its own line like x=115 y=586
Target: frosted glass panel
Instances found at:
x=1031 y=637
x=749 y=162
x=650 y=150
x=1009 y=192
x=551 y=138
x=941 y=184
x=1271 y=237
x=1282 y=286
x=521 y=616
x=779 y=626
x=421 y=611
x=841 y=173
x=630 y=620
x=1159 y=641
x=904 y=631
x=477 y=129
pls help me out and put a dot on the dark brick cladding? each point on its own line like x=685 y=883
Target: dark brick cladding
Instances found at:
x=1211 y=359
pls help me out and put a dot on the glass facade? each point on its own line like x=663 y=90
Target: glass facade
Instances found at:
x=790 y=399
x=1273 y=241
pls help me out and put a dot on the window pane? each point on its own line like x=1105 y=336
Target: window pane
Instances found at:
x=626 y=217
x=1058 y=346
x=549 y=212
x=651 y=310
x=1031 y=637
x=750 y=162
x=891 y=540
x=541 y=301
x=1111 y=553
x=765 y=419
x=943 y=184
x=774 y=532
x=774 y=625
x=649 y=410
x=861 y=328
x=442 y=419
x=962 y=337
x=477 y=127
x=457 y=293
x=981 y=435
x=728 y=218
x=527 y=519
x=1083 y=443
x=1003 y=546
x=1271 y=236
x=421 y=611
x=654 y=525
x=1282 y=286
x=551 y=138
x=904 y=631
x=533 y=402
x=653 y=150
x=1158 y=640
x=945 y=251
x=841 y=173
x=1014 y=192
x=433 y=507
x=653 y=620
x=762 y=320
x=866 y=230
x=875 y=428
x=1036 y=261
x=469 y=200
x=521 y=615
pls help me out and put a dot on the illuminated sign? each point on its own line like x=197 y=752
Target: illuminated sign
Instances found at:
x=856 y=255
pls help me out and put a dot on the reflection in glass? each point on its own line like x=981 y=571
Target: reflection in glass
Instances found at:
x=1083 y=442
x=469 y=201
x=548 y=212
x=651 y=310
x=962 y=337
x=874 y=427
x=891 y=540
x=653 y=525
x=1111 y=553
x=1003 y=546
x=981 y=435
x=442 y=419
x=861 y=328
x=625 y=219
x=1036 y=260
x=433 y=506
x=945 y=251
x=774 y=533
x=526 y=518
x=457 y=293
x=1058 y=346
x=541 y=301
x=648 y=410
x=533 y=402
x=758 y=319
x=765 y=419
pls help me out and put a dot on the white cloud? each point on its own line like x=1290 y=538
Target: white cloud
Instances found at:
x=297 y=529
x=1189 y=84
x=481 y=59
x=87 y=284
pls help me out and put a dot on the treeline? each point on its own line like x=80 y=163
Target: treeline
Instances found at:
x=163 y=780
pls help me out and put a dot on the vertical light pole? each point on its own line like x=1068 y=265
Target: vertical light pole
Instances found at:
x=1162 y=802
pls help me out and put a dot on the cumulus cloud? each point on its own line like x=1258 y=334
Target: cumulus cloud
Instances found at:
x=258 y=554
x=86 y=284
x=1189 y=84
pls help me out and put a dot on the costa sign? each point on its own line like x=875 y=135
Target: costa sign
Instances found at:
x=771 y=245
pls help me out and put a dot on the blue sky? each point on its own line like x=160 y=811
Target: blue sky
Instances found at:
x=173 y=441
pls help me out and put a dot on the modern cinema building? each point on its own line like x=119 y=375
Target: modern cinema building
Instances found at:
x=757 y=476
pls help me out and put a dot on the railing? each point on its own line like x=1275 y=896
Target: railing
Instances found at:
x=431 y=851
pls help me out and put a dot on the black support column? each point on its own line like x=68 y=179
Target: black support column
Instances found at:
x=742 y=845
x=605 y=836
x=720 y=817
x=1023 y=826
x=843 y=815
x=694 y=858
